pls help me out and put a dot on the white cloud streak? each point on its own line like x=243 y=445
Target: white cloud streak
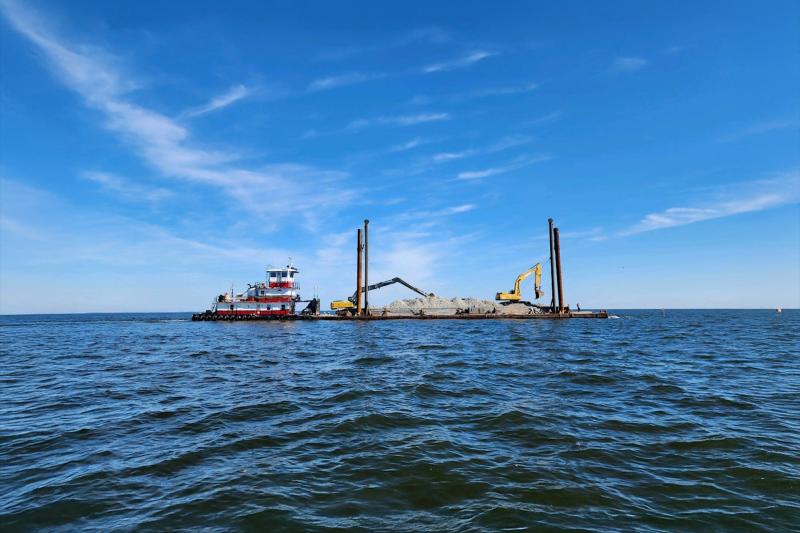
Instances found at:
x=164 y=143
x=408 y=145
x=232 y=95
x=449 y=156
x=126 y=189
x=511 y=141
x=400 y=120
x=761 y=128
x=431 y=35
x=461 y=62
x=458 y=209
x=757 y=196
x=493 y=171
x=411 y=120
x=332 y=82
x=629 y=64
x=544 y=119
x=354 y=78
x=496 y=91
x=13 y=226
x=505 y=143
x=421 y=218
x=485 y=173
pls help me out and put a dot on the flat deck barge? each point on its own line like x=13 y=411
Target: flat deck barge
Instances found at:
x=327 y=317
x=276 y=297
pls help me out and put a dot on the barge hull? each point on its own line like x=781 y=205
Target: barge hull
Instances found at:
x=544 y=316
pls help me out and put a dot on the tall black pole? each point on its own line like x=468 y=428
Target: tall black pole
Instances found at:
x=366 y=268
x=552 y=268
x=558 y=271
x=359 y=247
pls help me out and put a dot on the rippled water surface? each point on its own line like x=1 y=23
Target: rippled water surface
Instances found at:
x=688 y=420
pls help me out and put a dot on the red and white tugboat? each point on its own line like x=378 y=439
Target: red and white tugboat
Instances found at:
x=276 y=297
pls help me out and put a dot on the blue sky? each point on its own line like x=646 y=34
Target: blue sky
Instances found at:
x=153 y=153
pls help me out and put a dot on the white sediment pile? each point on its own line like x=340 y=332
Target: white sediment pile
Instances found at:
x=435 y=305
x=436 y=302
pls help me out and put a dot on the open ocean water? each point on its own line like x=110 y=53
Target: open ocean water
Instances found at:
x=684 y=421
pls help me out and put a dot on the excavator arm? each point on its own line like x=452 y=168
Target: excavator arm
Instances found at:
x=516 y=293
x=384 y=284
x=351 y=300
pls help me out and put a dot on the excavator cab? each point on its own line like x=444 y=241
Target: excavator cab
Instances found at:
x=338 y=305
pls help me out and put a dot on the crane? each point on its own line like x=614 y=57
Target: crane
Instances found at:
x=516 y=293
x=349 y=304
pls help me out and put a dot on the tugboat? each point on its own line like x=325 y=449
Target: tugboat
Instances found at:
x=276 y=297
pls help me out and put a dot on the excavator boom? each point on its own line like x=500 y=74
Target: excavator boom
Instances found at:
x=351 y=300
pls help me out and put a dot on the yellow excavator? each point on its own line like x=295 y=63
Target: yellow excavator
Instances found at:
x=516 y=293
x=349 y=305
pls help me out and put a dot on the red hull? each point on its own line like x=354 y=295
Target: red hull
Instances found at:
x=246 y=312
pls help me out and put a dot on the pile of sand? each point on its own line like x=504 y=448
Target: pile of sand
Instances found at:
x=436 y=302
x=435 y=305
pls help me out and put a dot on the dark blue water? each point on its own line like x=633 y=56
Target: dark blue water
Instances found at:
x=688 y=421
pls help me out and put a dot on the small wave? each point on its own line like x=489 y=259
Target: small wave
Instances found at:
x=374 y=360
x=710 y=443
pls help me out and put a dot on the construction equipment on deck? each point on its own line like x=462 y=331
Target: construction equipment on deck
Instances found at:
x=350 y=303
x=516 y=293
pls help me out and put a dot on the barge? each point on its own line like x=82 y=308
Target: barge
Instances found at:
x=334 y=317
x=278 y=295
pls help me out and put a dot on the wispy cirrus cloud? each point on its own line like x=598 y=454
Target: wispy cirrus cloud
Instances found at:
x=442 y=157
x=748 y=198
x=485 y=173
x=410 y=120
x=232 y=95
x=428 y=35
x=408 y=145
x=457 y=209
x=505 y=143
x=544 y=119
x=342 y=80
x=165 y=144
x=353 y=78
x=460 y=62
x=14 y=226
x=510 y=141
x=760 y=128
x=126 y=189
x=593 y=234
x=516 y=164
x=426 y=163
x=496 y=91
x=398 y=120
x=421 y=216
x=629 y=64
